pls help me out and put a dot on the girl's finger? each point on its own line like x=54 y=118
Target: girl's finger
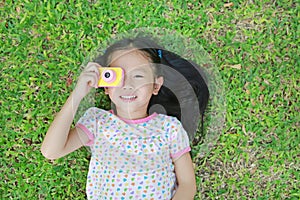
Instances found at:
x=92 y=67
x=92 y=79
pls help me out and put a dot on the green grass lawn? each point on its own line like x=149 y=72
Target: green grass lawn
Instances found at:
x=254 y=45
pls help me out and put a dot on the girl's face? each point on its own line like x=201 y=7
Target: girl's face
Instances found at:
x=140 y=83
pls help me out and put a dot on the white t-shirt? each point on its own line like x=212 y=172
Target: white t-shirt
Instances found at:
x=132 y=159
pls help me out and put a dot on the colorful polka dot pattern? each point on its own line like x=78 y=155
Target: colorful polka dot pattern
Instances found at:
x=132 y=160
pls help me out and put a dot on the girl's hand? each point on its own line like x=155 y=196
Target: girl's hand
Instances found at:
x=88 y=79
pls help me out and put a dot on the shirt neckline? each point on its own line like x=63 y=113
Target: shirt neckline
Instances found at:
x=136 y=121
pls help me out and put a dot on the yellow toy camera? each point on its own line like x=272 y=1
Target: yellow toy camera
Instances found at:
x=111 y=77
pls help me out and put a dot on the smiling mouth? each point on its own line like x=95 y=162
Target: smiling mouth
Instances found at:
x=128 y=98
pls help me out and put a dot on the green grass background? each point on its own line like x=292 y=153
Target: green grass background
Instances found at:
x=254 y=44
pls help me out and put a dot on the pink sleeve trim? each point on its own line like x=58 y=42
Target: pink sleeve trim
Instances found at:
x=88 y=133
x=180 y=153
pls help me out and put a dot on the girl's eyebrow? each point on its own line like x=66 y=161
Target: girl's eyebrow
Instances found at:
x=138 y=70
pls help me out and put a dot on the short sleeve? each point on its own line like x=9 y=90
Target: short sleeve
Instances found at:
x=88 y=124
x=179 y=141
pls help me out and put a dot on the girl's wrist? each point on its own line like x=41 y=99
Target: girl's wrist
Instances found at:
x=75 y=98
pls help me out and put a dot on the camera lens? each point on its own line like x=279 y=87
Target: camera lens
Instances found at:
x=107 y=75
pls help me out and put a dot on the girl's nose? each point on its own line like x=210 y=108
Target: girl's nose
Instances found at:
x=127 y=87
x=127 y=84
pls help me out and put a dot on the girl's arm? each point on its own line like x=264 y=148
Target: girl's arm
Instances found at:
x=185 y=174
x=60 y=139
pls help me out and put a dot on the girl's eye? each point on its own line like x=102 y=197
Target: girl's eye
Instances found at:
x=138 y=76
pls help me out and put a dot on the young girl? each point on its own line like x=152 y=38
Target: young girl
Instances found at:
x=137 y=153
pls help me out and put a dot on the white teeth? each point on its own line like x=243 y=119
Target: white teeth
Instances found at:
x=128 y=97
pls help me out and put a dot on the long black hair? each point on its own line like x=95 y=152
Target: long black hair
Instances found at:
x=184 y=93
